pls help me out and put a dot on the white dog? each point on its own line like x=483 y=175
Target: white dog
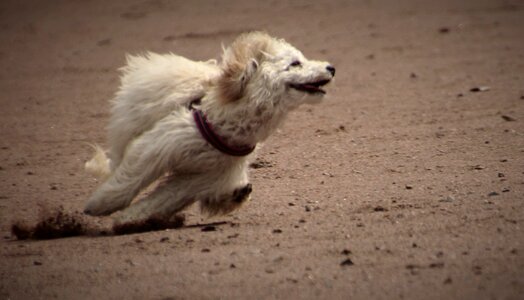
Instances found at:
x=194 y=124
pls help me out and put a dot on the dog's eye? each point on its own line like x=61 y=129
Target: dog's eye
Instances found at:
x=295 y=63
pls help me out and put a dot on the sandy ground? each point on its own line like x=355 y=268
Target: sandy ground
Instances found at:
x=404 y=173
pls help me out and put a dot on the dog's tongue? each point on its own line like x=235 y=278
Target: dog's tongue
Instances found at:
x=312 y=88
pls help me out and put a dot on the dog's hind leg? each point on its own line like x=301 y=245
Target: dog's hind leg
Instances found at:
x=147 y=158
x=122 y=186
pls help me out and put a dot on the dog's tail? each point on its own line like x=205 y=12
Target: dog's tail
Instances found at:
x=98 y=166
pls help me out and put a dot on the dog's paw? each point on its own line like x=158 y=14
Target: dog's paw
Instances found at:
x=97 y=206
x=94 y=210
x=241 y=194
x=226 y=203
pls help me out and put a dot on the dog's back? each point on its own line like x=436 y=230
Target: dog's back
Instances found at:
x=153 y=86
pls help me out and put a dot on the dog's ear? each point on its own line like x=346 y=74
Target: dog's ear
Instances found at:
x=250 y=70
x=240 y=63
x=235 y=77
x=254 y=65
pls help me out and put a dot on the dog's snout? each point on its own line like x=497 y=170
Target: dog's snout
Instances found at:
x=331 y=70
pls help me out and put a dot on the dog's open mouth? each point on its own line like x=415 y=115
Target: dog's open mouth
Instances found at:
x=310 y=87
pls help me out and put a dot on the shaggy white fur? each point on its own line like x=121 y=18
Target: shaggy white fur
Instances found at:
x=152 y=133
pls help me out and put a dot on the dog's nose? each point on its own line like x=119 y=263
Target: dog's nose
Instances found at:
x=331 y=70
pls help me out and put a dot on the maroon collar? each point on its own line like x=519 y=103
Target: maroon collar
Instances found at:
x=215 y=140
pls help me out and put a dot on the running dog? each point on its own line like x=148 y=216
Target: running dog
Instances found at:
x=194 y=125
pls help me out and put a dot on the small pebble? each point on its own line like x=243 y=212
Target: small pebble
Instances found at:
x=233 y=236
x=346 y=252
x=480 y=89
x=412 y=266
x=104 y=42
x=477 y=270
x=347 y=262
x=508 y=118
x=209 y=228
x=379 y=208
x=436 y=265
x=447 y=199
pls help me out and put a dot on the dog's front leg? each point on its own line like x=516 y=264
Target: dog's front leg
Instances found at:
x=226 y=202
x=170 y=197
x=218 y=192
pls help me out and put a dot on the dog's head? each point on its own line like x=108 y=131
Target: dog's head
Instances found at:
x=258 y=66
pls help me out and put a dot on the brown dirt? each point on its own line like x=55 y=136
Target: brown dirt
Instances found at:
x=58 y=224
x=406 y=182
